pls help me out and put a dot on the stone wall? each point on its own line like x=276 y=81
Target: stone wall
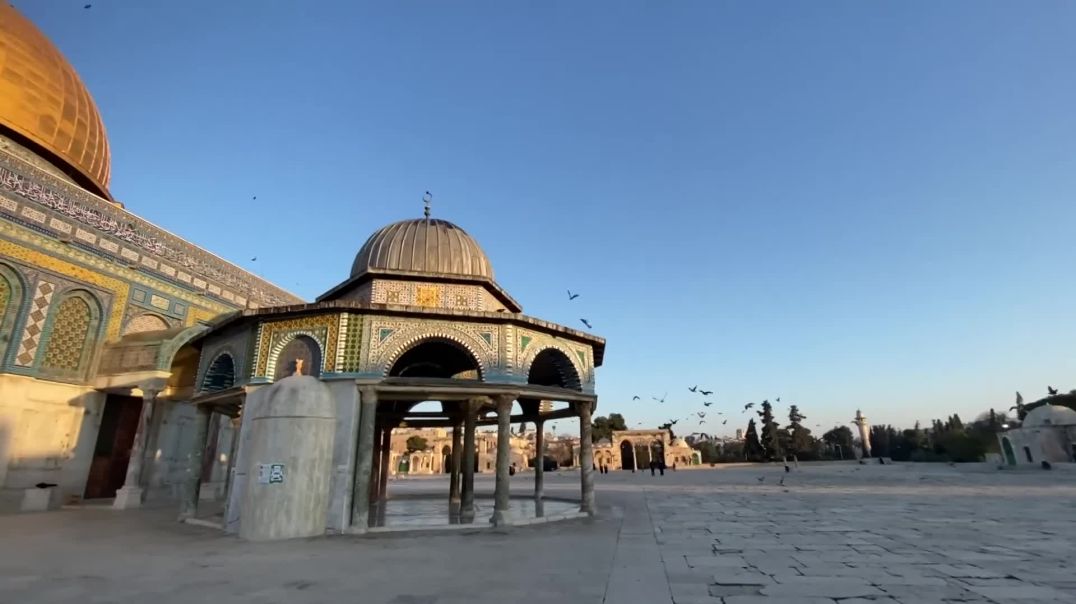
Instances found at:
x=48 y=432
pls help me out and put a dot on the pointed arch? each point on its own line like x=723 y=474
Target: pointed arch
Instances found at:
x=294 y=348
x=221 y=373
x=72 y=328
x=446 y=342
x=12 y=301
x=553 y=366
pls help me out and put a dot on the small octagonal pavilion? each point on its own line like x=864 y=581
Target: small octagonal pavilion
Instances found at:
x=419 y=319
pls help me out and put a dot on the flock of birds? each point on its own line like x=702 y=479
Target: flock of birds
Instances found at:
x=701 y=413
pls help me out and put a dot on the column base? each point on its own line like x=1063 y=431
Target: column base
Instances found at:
x=500 y=518
x=128 y=498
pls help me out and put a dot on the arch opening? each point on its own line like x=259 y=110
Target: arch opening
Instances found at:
x=551 y=367
x=302 y=354
x=627 y=456
x=437 y=358
x=220 y=375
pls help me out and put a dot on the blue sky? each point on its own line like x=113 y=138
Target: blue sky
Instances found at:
x=843 y=204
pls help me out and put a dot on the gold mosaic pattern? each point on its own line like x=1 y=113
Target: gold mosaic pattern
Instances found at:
x=428 y=295
x=271 y=333
x=67 y=341
x=42 y=98
x=352 y=345
x=5 y=295
x=118 y=288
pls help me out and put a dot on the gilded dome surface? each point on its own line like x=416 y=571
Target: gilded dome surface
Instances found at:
x=423 y=245
x=43 y=100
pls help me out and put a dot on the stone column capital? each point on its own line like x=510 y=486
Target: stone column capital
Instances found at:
x=368 y=393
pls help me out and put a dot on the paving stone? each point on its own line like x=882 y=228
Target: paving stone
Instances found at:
x=1022 y=592
x=773 y=600
x=822 y=590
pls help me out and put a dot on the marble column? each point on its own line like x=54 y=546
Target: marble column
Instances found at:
x=586 y=458
x=504 y=459
x=383 y=471
x=364 y=458
x=454 y=465
x=191 y=484
x=539 y=459
x=237 y=424
x=470 y=410
x=130 y=495
x=375 y=466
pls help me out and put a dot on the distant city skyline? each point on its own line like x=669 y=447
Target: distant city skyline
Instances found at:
x=845 y=205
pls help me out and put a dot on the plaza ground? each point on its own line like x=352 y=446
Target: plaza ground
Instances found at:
x=908 y=533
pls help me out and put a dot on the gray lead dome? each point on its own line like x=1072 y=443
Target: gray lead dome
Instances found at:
x=423 y=245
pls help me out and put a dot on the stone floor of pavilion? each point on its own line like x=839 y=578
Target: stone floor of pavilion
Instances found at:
x=902 y=533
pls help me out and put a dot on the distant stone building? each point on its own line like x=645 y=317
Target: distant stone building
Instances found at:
x=436 y=458
x=634 y=449
x=1048 y=433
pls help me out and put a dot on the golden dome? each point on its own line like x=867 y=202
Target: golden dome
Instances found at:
x=43 y=103
x=423 y=245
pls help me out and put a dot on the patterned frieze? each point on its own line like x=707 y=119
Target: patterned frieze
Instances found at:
x=430 y=294
x=390 y=337
x=42 y=201
x=34 y=250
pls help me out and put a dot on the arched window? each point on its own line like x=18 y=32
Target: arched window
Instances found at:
x=220 y=375
x=71 y=332
x=302 y=353
x=10 y=301
x=144 y=322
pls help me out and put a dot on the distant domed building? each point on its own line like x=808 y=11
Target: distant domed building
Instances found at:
x=98 y=307
x=1048 y=433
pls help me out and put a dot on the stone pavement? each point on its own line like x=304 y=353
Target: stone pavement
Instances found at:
x=832 y=532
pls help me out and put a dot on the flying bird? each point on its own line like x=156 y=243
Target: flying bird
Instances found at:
x=1051 y=390
x=662 y=399
x=254 y=259
x=707 y=404
x=700 y=414
x=761 y=478
x=572 y=296
x=635 y=398
x=724 y=422
x=587 y=323
x=778 y=399
x=693 y=388
x=87 y=6
x=748 y=406
x=255 y=198
x=706 y=392
x=673 y=422
x=702 y=421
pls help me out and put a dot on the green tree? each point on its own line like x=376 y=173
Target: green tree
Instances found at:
x=602 y=426
x=416 y=443
x=752 y=448
x=800 y=441
x=771 y=434
x=841 y=436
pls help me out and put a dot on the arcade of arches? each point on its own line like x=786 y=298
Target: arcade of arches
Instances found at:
x=635 y=449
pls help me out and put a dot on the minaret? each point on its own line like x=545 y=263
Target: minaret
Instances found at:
x=864 y=432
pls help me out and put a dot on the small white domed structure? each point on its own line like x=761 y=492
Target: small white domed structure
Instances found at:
x=1050 y=415
x=1048 y=433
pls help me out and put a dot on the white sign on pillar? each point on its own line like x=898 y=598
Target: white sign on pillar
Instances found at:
x=270 y=473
